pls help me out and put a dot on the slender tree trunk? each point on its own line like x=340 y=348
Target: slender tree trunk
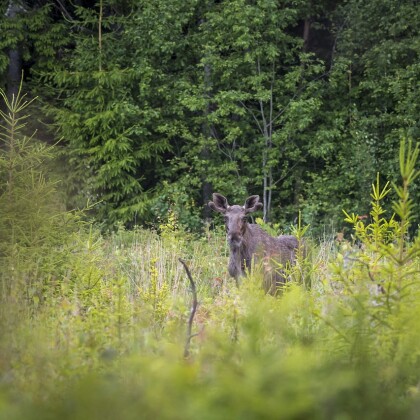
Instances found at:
x=206 y=186
x=266 y=170
x=265 y=186
x=100 y=34
x=306 y=34
x=14 y=70
x=270 y=143
x=299 y=170
x=14 y=73
x=267 y=131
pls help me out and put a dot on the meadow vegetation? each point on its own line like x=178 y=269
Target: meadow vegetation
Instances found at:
x=94 y=325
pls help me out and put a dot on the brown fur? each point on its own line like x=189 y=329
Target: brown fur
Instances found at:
x=249 y=243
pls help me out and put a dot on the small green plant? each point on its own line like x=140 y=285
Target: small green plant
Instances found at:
x=272 y=228
x=379 y=279
x=29 y=207
x=170 y=226
x=156 y=296
x=385 y=241
x=381 y=230
x=38 y=237
x=302 y=270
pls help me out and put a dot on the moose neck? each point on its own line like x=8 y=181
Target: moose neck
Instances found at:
x=240 y=257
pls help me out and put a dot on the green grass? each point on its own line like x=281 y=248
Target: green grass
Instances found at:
x=106 y=340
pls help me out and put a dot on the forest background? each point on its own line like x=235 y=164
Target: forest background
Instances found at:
x=153 y=105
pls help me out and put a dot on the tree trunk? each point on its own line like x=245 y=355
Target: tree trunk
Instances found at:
x=206 y=186
x=306 y=34
x=14 y=71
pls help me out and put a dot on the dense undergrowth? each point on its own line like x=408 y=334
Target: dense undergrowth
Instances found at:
x=94 y=326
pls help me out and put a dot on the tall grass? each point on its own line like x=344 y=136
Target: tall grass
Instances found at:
x=107 y=340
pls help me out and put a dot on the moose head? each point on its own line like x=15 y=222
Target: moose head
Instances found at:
x=235 y=216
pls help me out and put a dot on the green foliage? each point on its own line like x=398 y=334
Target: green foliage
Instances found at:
x=95 y=350
x=156 y=298
x=118 y=106
x=34 y=33
x=174 y=201
x=380 y=280
x=261 y=97
x=101 y=146
x=368 y=105
x=32 y=220
x=160 y=103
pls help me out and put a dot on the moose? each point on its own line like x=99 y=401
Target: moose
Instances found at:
x=249 y=243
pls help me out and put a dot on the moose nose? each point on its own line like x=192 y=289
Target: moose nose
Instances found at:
x=234 y=239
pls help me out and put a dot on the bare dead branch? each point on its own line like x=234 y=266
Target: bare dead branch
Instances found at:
x=192 y=311
x=60 y=6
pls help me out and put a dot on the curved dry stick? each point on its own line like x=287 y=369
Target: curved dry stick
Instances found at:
x=192 y=312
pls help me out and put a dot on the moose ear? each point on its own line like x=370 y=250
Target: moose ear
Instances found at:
x=219 y=203
x=253 y=204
